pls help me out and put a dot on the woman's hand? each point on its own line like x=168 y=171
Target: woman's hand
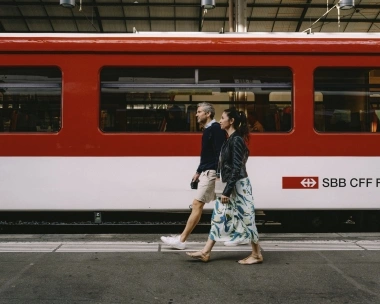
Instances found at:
x=225 y=199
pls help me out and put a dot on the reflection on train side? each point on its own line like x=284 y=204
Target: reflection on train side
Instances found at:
x=165 y=100
x=30 y=99
x=351 y=100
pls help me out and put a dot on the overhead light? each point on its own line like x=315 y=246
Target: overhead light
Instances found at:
x=67 y=3
x=346 y=4
x=208 y=4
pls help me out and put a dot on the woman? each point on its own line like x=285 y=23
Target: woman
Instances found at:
x=233 y=218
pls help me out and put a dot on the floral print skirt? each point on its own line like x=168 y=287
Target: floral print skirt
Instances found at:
x=235 y=221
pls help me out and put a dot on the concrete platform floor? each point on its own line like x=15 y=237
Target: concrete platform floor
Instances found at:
x=297 y=268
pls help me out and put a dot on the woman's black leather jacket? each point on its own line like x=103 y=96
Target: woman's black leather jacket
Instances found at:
x=233 y=157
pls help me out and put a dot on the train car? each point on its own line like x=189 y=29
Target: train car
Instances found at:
x=107 y=122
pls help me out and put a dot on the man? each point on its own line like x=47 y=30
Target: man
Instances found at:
x=212 y=141
x=254 y=124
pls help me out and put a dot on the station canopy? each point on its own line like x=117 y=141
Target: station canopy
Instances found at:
x=128 y=16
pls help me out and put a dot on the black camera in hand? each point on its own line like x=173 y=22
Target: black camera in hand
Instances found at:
x=194 y=184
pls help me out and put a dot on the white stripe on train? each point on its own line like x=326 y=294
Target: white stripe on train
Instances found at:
x=163 y=183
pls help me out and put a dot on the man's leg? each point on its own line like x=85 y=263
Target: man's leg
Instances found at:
x=193 y=220
x=179 y=242
x=205 y=192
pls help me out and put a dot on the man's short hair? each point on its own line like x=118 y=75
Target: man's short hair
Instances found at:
x=208 y=108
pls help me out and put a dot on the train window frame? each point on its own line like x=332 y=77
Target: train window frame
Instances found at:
x=214 y=87
x=353 y=120
x=32 y=95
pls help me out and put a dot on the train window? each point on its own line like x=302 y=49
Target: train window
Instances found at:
x=165 y=99
x=347 y=100
x=30 y=99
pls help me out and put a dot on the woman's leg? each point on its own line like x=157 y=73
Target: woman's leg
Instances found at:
x=255 y=257
x=208 y=247
x=204 y=254
x=256 y=249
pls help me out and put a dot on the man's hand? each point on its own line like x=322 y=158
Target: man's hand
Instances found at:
x=195 y=177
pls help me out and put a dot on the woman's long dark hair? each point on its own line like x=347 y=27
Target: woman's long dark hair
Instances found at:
x=240 y=122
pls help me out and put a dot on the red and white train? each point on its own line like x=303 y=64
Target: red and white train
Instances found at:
x=107 y=122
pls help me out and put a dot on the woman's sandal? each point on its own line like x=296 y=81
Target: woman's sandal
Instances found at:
x=251 y=259
x=199 y=255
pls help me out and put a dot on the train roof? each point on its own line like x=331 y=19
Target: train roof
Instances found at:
x=182 y=42
x=197 y=35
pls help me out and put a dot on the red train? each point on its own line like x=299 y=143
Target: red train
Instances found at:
x=106 y=122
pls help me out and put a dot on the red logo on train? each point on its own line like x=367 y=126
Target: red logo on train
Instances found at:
x=300 y=182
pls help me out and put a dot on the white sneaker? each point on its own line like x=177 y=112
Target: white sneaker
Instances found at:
x=174 y=242
x=235 y=243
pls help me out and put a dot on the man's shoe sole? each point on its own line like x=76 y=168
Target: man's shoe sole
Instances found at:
x=172 y=246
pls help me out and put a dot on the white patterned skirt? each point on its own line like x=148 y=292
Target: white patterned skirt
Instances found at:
x=235 y=221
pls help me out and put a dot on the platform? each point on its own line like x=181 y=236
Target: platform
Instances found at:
x=297 y=268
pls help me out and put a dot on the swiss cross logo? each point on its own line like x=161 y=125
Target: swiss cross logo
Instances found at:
x=300 y=182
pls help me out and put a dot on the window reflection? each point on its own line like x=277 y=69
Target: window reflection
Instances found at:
x=348 y=100
x=165 y=100
x=30 y=99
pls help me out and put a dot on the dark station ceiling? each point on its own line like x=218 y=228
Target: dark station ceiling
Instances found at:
x=123 y=16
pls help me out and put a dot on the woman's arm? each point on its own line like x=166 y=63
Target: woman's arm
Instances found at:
x=237 y=155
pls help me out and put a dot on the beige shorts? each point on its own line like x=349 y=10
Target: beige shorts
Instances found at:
x=206 y=186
